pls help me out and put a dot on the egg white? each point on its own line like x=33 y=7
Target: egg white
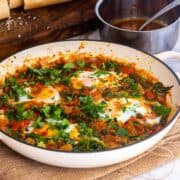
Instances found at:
x=153 y=121
x=48 y=95
x=127 y=108
x=70 y=128
x=29 y=129
x=89 y=79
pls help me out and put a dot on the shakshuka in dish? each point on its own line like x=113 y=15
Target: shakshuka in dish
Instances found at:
x=86 y=103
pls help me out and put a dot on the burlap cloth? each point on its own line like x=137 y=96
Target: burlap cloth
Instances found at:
x=15 y=167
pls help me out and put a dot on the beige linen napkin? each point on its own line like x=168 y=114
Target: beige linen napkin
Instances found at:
x=16 y=167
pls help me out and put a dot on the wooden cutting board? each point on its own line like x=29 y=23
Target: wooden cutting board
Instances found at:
x=28 y=28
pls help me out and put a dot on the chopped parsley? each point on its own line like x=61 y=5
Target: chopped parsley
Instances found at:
x=89 y=108
x=16 y=90
x=162 y=110
x=81 y=64
x=160 y=89
x=122 y=132
x=53 y=106
x=101 y=73
x=111 y=66
x=4 y=99
x=68 y=66
x=19 y=113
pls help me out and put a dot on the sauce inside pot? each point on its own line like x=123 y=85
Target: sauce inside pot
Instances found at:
x=135 y=23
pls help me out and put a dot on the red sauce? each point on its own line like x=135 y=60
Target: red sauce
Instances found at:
x=135 y=23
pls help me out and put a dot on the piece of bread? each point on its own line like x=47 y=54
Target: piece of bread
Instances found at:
x=30 y=4
x=4 y=9
x=15 y=3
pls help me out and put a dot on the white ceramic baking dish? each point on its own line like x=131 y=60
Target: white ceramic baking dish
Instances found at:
x=96 y=159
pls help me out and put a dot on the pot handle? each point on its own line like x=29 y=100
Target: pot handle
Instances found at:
x=167 y=55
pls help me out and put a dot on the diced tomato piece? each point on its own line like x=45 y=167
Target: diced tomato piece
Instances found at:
x=112 y=141
x=68 y=109
x=100 y=125
x=86 y=92
x=25 y=123
x=21 y=80
x=15 y=125
x=19 y=125
x=133 y=127
x=75 y=111
x=37 y=114
x=139 y=128
x=156 y=129
x=96 y=94
x=72 y=103
x=64 y=88
x=150 y=95
x=128 y=70
x=132 y=119
x=4 y=109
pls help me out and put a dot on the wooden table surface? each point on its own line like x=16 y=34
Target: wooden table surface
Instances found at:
x=29 y=28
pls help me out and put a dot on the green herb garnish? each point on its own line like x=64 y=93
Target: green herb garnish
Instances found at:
x=122 y=132
x=160 y=89
x=68 y=66
x=162 y=110
x=89 y=108
x=101 y=73
x=80 y=63
x=4 y=99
